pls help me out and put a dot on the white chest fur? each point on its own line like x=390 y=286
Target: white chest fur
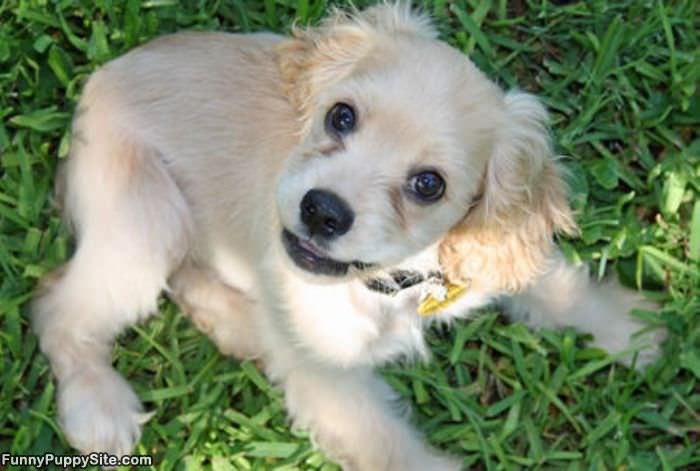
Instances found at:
x=347 y=324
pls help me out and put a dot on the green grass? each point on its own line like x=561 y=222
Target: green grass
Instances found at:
x=621 y=81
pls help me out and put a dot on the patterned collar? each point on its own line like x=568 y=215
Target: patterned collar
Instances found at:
x=398 y=280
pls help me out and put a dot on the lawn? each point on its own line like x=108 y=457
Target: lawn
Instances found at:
x=620 y=79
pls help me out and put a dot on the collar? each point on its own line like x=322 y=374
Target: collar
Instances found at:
x=401 y=279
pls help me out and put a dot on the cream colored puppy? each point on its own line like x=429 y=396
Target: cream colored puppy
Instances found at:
x=275 y=188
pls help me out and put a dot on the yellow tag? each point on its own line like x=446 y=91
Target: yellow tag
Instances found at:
x=431 y=305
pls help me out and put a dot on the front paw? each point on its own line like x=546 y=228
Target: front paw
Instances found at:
x=652 y=351
x=646 y=345
x=100 y=412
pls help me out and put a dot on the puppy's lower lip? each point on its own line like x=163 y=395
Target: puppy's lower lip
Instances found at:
x=309 y=246
x=307 y=256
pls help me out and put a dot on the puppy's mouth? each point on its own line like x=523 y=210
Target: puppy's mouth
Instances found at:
x=309 y=257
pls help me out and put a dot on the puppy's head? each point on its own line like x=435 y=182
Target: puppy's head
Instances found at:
x=403 y=141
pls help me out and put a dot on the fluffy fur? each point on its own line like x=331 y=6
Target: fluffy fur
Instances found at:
x=192 y=153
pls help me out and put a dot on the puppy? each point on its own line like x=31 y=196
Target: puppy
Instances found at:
x=280 y=190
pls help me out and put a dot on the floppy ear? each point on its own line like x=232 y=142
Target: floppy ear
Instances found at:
x=503 y=243
x=314 y=60
x=317 y=57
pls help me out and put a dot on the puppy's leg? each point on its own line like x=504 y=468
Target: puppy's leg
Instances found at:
x=354 y=416
x=566 y=297
x=220 y=311
x=131 y=223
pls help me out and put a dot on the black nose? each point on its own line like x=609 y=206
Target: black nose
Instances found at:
x=326 y=214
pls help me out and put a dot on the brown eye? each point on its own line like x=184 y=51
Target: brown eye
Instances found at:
x=427 y=186
x=340 y=119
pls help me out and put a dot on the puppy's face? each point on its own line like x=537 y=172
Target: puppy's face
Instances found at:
x=392 y=157
x=404 y=143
